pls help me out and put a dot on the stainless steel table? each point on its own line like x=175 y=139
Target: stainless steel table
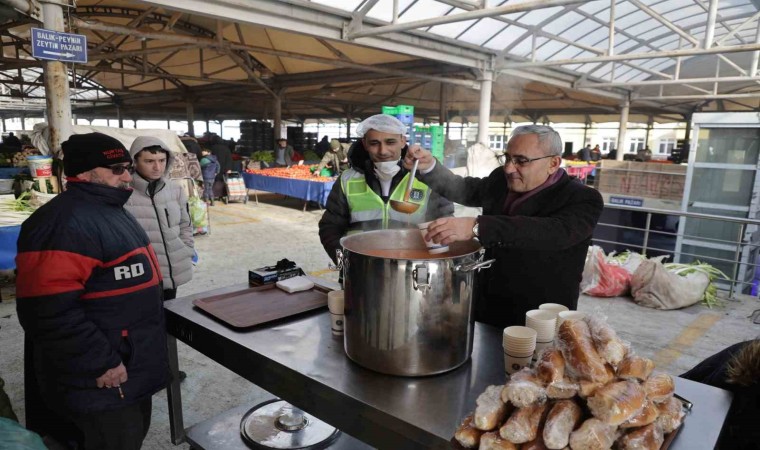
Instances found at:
x=299 y=360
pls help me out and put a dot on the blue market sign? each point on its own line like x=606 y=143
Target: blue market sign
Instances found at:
x=57 y=46
x=627 y=201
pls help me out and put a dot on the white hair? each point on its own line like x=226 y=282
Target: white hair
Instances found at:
x=548 y=138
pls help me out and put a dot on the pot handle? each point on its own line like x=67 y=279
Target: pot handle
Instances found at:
x=474 y=266
x=421 y=272
x=339 y=259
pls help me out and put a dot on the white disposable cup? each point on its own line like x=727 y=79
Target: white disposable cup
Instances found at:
x=432 y=247
x=514 y=362
x=517 y=337
x=567 y=315
x=335 y=303
x=544 y=322
x=556 y=307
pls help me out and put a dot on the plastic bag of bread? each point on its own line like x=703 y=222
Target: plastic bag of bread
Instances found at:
x=647 y=415
x=587 y=388
x=659 y=387
x=492 y=441
x=671 y=414
x=609 y=346
x=564 y=416
x=649 y=437
x=467 y=435
x=490 y=411
x=593 y=434
x=550 y=366
x=581 y=358
x=523 y=389
x=635 y=367
x=617 y=402
x=535 y=444
x=523 y=425
x=562 y=389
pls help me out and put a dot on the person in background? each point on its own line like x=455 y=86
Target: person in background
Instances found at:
x=160 y=207
x=12 y=143
x=359 y=201
x=644 y=154
x=283 y=154
x=584 y=154
x=191 y=145
x=89 y=299
x=537 y=224
x=322 y=147
x=612 y=154
x=335 y=159
x=209 y=170
x=221 y=150
x=596 y=153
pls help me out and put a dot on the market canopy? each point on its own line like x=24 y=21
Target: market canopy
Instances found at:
x=551 y=60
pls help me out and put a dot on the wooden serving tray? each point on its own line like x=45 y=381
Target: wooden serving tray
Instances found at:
x=260 y=304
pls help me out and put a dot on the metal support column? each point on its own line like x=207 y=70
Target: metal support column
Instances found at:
x=650 y=125
x=207 y=128
x=687 y=135
x=277 y=117
x=118 y=117
x=168 y=124
x=624 y=109
x=190 y=118
x=348 y=126
x=4 y=129
x=755 y=54
x=57 y=97
x=23 y=122
x=442 y=107
x=484 y=115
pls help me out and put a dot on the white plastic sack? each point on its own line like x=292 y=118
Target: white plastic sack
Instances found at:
x=654 y=286
x=601 y=278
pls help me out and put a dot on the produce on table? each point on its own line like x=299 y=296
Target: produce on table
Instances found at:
x=309 y=155
x=263 y=156
x=13 y=211
x=629 y=410
x=19 y=159
x=302 y=172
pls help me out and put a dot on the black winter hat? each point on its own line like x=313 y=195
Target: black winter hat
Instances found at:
x=83 y=152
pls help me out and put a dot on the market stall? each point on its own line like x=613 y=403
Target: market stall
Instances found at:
x=294 y=182
x=301 y=361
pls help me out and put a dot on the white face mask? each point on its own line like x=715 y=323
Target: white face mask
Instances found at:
x=387 y=169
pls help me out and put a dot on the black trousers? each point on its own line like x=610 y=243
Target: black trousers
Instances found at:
x=170 y=294
x=120 y=429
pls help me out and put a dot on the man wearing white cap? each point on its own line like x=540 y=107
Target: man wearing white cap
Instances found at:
x=359 y=201
x=161 y=208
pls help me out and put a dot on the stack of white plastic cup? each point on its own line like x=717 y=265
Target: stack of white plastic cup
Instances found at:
x=545 y=324
x=566 y=315
x=556 y=307
x=519 y=344
x=335 y=303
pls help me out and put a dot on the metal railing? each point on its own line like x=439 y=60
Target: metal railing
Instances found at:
x=742 y=245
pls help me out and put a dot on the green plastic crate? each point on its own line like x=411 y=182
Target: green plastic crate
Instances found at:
x=405 y=109
x=390 y=110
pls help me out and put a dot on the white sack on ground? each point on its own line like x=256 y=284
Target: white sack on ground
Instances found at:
x=654 y=286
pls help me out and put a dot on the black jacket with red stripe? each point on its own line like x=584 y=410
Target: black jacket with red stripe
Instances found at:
x=90 y=297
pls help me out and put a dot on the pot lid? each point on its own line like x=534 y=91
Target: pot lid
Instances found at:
x=278 y=424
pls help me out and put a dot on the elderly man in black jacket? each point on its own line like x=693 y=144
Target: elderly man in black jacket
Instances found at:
x=537 y=223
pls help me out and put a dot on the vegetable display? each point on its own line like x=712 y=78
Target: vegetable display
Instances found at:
x=302 y=172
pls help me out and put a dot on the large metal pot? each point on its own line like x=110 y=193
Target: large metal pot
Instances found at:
x=403 y=315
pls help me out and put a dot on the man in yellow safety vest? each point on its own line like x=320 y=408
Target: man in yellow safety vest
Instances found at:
x=359 y=201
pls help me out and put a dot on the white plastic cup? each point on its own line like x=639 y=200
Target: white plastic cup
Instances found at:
x=335 y=303
x=515 y=362
x=544 y=322
x=567 y=315
x=553 y=307
x=432 y=247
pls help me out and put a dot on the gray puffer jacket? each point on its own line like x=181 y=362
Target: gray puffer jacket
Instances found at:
x=162 y=210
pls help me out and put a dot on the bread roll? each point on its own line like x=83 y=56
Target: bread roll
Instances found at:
x=492 y=441
x=581 y=358
x=490 y=411
x=523 y=389
x=593 y=435
x=649 y=437
x=550 y=366
x=467 y=435
x=647 y=415
x=562 y=389
x=587 y=388
x=671 y=414
x=523 y=425
x=659 y=387
x=609 y=346
x=617 y=402
x=635 y=368
x=564 y=416
x=535 y=444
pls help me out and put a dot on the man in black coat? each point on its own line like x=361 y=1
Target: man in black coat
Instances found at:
x=537 y=223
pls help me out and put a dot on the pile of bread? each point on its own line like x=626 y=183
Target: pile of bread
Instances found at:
x=588 y=392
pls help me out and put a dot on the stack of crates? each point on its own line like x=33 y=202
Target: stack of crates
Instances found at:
x=404 y=113
x=255 y=136
x=430 y=138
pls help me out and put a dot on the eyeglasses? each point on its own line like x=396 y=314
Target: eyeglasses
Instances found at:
x=519 y=161
x=118 y=169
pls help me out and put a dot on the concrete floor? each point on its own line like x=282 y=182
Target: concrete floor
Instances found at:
x=249 y=236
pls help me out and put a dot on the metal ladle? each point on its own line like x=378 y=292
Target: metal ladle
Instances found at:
x=407 y=207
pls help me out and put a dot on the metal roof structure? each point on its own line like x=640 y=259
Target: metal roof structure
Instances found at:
x=551 y=60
